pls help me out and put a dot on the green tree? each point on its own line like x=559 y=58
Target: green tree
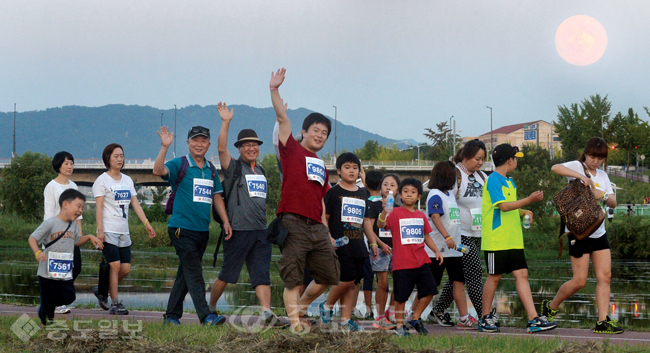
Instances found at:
x=629 y=133
x=22 y=183
x=369 y=151
x=579 y=122
x=441 y=142
x=274 y=184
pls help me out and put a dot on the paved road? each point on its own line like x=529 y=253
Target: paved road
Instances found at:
x=581 y=335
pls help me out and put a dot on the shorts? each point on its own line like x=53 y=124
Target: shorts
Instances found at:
x=383 y=263
x=113 y=253
x=368 y=275
x=505 y=261
x=404 y=281
x=454 y=266
x=307 y=243
x=351 y=268
x=577 y=248
x=250 y=247
x=119 y=240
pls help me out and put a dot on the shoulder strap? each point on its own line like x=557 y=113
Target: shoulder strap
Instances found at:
x=459 y=178
x=480 y=173
x=59 y=237
x=182 y=171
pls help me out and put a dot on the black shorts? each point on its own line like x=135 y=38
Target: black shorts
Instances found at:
x=250 y=247
x=505 y=261
x=454 y=266
x=351 y=268
x=368 y=276
x=112 y=253
x=404 y=281
x=577 y=248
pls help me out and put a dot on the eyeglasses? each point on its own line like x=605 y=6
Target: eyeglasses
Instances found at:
x=250 y=145
x=199 y=130
x=473 y=182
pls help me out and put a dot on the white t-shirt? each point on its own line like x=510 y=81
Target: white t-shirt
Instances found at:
x=470 y=201
x=51 y=194
x=601 y=181
x=438 y=202
x=117 y=198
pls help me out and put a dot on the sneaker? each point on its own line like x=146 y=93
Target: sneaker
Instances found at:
x=442 y=318
x=269 y=319
x=407 y=315
x=103 y=301
x=390 y=315
x=117 y=308
x=547 y=311
x=214 y=320
x=608 y=326
x=418 y=326
x=402 y=332
x=356 y=314
x=488 y=323
x=467 y=324
x=171 y=321
x=325 y=315
x=351 y=326
x=62 y=310
x=495 y=316
x=383 y=323
x=540 y=324
x=369 y=316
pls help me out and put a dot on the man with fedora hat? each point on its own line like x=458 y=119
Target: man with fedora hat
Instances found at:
x=195 y=186
x=246 y=189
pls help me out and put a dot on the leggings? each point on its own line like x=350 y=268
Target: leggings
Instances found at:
x=473 y=280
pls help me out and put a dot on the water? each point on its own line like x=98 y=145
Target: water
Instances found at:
x=152 y=276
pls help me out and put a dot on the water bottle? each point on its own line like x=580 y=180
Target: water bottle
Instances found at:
x=342 y=241
x=528 y=218
x=463 y=248
x=390 y=202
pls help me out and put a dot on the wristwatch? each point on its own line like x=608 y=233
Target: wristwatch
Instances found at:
x=605 y=196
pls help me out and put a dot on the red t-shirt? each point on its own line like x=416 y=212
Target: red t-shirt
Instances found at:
x=408 y=248
x=305 y=181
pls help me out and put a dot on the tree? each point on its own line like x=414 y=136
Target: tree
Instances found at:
x=629 y=133
x=274 y=184
x=369 y=151
x=22 y=183
x=441 y=142
x=579 y=122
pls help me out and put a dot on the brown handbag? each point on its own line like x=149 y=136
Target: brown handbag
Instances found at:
x=578 y=209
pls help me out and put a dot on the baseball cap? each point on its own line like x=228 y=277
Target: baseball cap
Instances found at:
x=503 y=152
x=247 y=135
x=198 y=131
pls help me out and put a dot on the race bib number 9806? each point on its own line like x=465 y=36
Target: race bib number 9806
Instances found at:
x=59 y=265
x=203 y=190
x=316 y=170
x=411 y=230
x=256 y=185
x=352 y=210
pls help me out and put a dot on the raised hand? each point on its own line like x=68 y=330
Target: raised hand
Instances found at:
x=537 y=196
x=165 y=137
x=226 y=115
x=277 y=78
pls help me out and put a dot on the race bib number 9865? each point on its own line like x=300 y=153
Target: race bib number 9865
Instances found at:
x=316 y=169
x=411 y=230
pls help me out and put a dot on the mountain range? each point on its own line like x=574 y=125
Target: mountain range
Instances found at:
x=85 y=131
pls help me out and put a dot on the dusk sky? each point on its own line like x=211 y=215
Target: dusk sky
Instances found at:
x=391 y=67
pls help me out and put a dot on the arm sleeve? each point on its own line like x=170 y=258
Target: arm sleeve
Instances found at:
x=49 y=202
x=132 y=187
x=494 y=188
x=98 y=188
x=40 y=232
x=434 y=205
x=172 y=170
x=576 y=166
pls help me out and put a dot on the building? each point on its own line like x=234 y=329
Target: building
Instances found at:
x=533 y=132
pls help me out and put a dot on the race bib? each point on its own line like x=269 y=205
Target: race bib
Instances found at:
x=352 y=210
x=385 y=233
x=256 y=185
x=122 y=194
x=316 y=170
x=411 y=230
x=203 y=190
x=477 y=218
x=454 y=213
x=59 y=265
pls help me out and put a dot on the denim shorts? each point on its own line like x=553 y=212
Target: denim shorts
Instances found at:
x=383 y=263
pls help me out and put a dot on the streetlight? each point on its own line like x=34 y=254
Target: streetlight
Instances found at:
x=175 y=131
x=335 y=125
x=13 y=154
x=491 y=138
x=161 y=114
x=451 y=147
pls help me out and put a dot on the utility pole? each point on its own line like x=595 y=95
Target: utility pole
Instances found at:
x=13 y=154
x=451 y=147
x=175 y=134
x=335 y=126
x=161 y=114
x=491 y=137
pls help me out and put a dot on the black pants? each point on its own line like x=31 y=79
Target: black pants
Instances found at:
x=54 y=293
x=76 y=268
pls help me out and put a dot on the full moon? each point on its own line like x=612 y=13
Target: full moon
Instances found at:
x=581 y=40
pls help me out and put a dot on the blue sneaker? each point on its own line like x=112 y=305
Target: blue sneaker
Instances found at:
x=418 y=326
x=325 y=315
x=402 y=332
x=540 y=324
x=214 y=320
x=488 y=323
x=171 y=321
x=351 y=326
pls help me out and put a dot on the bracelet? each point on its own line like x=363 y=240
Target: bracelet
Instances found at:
x=381 y=220
x=38 y=252
x=273 y=89
x=373 y=244
x=146 y=222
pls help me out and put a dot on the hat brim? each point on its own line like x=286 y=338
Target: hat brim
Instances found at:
x=248 y=139
x=199 y=134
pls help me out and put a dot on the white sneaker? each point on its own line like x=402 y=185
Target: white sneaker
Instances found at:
x=62 y=310
x=467 y=324
x=356 y=314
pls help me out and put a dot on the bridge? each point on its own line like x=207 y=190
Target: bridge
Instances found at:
x=86 y=171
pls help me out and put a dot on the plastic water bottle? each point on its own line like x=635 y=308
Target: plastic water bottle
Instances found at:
x=342 y=241
x=463 y=248
x=390 y=202
x=528 y=218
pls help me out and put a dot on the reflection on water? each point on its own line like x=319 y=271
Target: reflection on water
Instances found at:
x=152 y=276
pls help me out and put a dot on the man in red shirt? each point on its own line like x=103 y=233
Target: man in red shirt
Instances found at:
x=304 y=184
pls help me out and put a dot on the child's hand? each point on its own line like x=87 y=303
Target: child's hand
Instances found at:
x=96 y=242
x=387 y=250
x=439 y=257
x=375 y=251
x=537 y=196
x=451 y=244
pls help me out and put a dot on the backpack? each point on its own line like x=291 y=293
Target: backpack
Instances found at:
x=169 y=207
x=459 y=179
x=225 y=195
x=578 y=209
